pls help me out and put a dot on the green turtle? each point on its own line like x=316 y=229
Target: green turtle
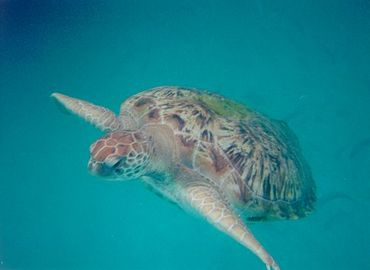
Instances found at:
x=206 y=153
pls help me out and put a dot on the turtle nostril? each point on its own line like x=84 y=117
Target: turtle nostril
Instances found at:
x=91 y=164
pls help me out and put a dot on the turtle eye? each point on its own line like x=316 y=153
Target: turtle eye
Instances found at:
x=119 y=171
x=111 y=161
x=118 y=163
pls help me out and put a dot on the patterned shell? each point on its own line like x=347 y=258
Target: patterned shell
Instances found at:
x=256 y=160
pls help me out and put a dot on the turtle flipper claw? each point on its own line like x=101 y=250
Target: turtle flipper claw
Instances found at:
x=272 y=266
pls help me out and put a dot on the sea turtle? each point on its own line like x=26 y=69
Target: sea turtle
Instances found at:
x=206 y=153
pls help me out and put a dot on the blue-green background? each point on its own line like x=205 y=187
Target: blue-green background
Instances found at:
x=306 y=62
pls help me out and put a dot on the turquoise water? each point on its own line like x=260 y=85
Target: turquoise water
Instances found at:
x=306 y=62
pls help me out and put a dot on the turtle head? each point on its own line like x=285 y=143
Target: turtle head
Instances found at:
x=121 y=155
x=124 y=152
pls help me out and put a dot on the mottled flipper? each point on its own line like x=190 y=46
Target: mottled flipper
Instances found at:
x=101 y=117
x=209 y=202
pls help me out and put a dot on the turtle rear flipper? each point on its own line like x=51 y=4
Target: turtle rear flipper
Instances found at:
x=210 y=203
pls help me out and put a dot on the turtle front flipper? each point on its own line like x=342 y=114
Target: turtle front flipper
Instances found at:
x=102 y=118
x=209 y=202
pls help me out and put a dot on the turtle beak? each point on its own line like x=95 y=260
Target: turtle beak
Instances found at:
x=99 y=169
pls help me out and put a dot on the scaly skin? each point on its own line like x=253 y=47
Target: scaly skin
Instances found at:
x=208 y=202
x=101 y=117
x=120 y=155
x=204 y=152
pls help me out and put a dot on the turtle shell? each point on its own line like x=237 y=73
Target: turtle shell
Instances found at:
x=255 y=160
